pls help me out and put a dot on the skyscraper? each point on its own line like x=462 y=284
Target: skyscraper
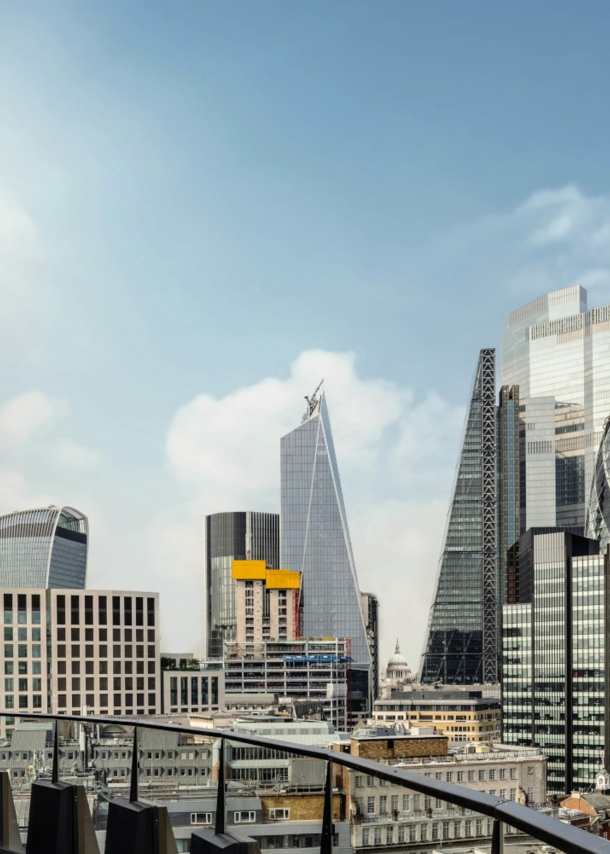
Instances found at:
x=233 y=536
x=556 y=351
x=598 y=508
x=44 y=548
x=508 y=490
x=462 y=642
x=315 y=537
x=554 y=656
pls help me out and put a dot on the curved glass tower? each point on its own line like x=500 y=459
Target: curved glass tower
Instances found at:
x=44 y=548
x=598 y=508
x=314 y=536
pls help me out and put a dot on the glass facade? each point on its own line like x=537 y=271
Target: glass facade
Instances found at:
x=233 y=536
x=553 y=690
x=508 y=486
x=598 y=509
x=558 y=352
x=315 y=536
x=44 y=548
x=462 y=643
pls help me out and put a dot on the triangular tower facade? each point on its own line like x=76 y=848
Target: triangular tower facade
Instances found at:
x=314 y=535
x=462 y=642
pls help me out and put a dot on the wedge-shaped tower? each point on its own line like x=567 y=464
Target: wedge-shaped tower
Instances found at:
x=462 y=637
x=314 y=536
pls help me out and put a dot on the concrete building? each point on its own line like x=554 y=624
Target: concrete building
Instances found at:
x=384 y=815
x=316 y=670
x=461 y=715
x=190 y=686
x=65 y=649
x=266 y=602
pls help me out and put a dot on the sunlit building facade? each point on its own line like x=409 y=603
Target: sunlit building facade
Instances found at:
x=44 y=548
x=233 y=536
x=558 y=353
x=598 y=508
x=315 y=540
x=462 y=641
x=554 y=657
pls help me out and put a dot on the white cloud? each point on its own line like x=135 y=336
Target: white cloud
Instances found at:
x=28 y=415
x=396 y=455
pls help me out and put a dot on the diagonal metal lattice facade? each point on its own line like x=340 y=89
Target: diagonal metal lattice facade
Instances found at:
x=462 y=642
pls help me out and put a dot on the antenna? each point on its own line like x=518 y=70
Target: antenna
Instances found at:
x=312 y=402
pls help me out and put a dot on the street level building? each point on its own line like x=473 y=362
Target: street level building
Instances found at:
x=191 y=686
x=460 y=715
x=65 y=649
x=44 y=548
x=554 y=656
x=229 y=537
x=317 y=670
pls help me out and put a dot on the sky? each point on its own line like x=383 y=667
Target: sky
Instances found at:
x=206 y=207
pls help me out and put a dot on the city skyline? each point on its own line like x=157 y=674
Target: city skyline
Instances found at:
x=203 y=213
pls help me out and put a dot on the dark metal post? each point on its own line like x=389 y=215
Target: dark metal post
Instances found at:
x=55 y=770
x=497 y=837
x=326 y=843
x=220 y=796
x=133 y=788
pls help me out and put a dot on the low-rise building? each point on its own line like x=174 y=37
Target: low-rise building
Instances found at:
x=461 y=715
x=315 y=670
x=190 y=685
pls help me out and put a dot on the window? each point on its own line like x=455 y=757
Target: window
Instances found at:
x=377 y=833
x=243 y=816
x=365 y=836
x=412 y=829
x=513 y=794
x=370 y=780
x=201 y=818
x=468 y=827
x=389 y=834
x=470 y=776
x=492 y=774
x=513 y=773
x=278 y=814
x=383 y=804
x=481 y=775
x=394 y=803
x=449 y=776
x=502 y=773
x=359 y=780
x=460 y=776
x=405 y=803
x=370 y=806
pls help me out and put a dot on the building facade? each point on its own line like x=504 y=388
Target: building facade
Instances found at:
x=556 y=351
x=316 y=670
x=315 y=541
x=65 y=649
x=598 y=508
x=462 y=640
x=46 y=547
x=508 y=439
x=554 y=651
x=266 y=602
x=460 y=715
x=228 y=537
x=190 y=686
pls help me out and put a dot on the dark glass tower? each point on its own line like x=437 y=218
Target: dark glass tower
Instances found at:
x=462 y=643
x=554 y=656
x=509 y=490
x=228 y=537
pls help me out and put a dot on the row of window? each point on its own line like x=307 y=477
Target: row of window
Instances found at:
x=123 y=612
x=117 y=635
x=89 y=700
x=449 y=776
x=102 y=651
x=424 y=831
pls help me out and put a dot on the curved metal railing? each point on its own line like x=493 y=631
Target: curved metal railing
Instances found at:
x=542 y=827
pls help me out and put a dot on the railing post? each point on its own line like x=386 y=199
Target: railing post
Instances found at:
x=55 y=770
x=497 y=837
x=133 y=787
x=220 y=795
x=326 y=842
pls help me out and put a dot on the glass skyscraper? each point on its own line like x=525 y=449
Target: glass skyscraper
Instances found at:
x=598 y=508
x=462 y=642
x=557 y=352
x=241 y=535
x=44 y=548
x=315 y=536
x=554 y=656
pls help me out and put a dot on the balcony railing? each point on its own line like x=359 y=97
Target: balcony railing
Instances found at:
x=59 y=822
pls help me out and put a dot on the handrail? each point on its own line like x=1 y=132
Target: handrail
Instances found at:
x=565 y=837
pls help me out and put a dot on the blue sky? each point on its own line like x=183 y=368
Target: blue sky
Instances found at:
x=203 y=206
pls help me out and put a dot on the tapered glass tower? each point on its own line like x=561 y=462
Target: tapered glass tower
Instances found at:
x=314 y=535
x=462 y=642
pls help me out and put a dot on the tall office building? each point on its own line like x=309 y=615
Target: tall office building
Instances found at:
x=556 y=351
x=229 y=537
x=315 y=540
x=598 y=508
x=370 y=613
x=554 y=656
x=44 y=548
x=462 y=641
x=508 y=451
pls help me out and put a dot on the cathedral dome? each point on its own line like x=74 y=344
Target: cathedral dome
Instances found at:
x=398 y=668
